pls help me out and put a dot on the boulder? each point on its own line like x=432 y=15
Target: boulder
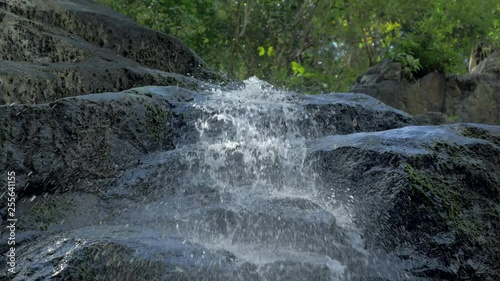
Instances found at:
x=427 y=194
x=386 y=70
x=92 y=137
x=431 y=118
x=123 y=184
x=87 y=137
x=248 y=184
x=473 y=98
x=383 y=81
x=56 y=48
x=196 y=181
x=115 y=253
x=462 y=98
x=490 y=65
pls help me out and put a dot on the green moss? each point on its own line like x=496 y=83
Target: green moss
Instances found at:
x=418 y=185
x=478 y=133
x=5 y=130
x=453 y=118
x=451 y=149
x=156 y=120
x=432 y=192
x=45 y=212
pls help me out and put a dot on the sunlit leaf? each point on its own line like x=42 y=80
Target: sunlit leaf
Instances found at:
x=261 y=50
x=297 y=68
x=270 y=51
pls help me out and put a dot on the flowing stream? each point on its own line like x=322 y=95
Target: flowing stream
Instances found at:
x=246 y=188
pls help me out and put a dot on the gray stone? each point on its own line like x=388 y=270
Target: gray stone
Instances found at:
x=490 y=65
x=56 y=48
x=428 y=194
x=462 y=98
x=97 y=166
x=100 y=183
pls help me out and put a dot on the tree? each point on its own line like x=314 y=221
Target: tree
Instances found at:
x=321 y=45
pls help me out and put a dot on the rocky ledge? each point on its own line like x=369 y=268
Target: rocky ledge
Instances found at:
x=196 y=181
x=57 y=48
x=91 y=169
x=438 y=98
x=429 y=194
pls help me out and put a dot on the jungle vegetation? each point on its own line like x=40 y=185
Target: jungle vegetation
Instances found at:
x=322 y=45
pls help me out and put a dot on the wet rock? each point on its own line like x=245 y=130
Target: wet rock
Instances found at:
x=248 y=184
x=349 y=113
x=117 y=252
x=55 y=49
x=97 y=168
x=427 y=194
x=86 y=138
x=93 y=137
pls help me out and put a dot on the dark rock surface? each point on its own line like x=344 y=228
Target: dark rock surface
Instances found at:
x=87 y=137
x=94 y=136
x=163 y=182
x=116 y=253
x=462 y=98
x=431 y=118
x=431 y=195
x=57 y=48
x=197 y=181
x=91 y=169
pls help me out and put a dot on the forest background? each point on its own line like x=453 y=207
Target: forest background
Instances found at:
x=322 y=45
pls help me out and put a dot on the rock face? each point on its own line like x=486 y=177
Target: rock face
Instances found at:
x=87 y=137
x=484 y=58
x=94 y=136
x=490 y=65
x=467 y=98
x=97 y=174
x=162 y=183
x=198 y=181
x=56 y=48
x=428 y=194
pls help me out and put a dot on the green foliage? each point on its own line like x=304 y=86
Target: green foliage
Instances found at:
x=453 y=118
x=410 y=65
x=432 y=55
x=331 y=42
x=443 y=37
x=297 y=68
x=262 y=51
x=270 y=51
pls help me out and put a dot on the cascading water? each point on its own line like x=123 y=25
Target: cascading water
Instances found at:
x=250 y=141
x=252 y=153
x=245 y=187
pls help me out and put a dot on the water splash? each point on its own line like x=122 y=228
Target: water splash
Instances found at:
x=250 y=138
x=246 y=187
x=251 y=150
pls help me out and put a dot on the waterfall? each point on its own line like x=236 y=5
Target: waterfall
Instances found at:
x=246 y=187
